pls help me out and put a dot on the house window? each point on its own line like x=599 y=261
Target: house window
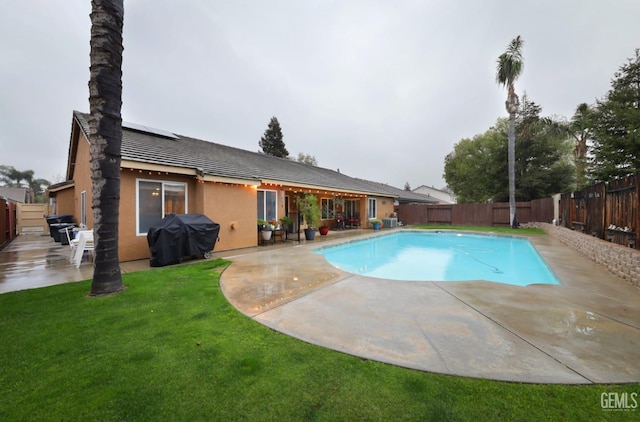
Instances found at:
x=156 y=199
x=83 y=207
x=373 y=209
x=328 y=208
x=268 y=205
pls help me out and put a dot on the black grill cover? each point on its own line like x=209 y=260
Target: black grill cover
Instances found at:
x=180 y=235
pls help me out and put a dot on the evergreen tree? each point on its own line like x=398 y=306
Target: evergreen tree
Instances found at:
x=407 y=187
x=271 y=142
x=615 y=126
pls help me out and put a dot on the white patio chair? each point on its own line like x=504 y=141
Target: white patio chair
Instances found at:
x=73 y=242
x=85 y=244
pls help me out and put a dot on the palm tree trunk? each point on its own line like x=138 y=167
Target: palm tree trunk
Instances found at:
x=512 y=170
x=105 y=134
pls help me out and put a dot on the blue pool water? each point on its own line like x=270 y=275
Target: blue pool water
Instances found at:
x=443 y=256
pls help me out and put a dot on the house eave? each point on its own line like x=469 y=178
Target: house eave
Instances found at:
x=160 y=169
x=61 y=186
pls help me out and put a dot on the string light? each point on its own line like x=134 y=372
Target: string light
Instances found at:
x=252 y=186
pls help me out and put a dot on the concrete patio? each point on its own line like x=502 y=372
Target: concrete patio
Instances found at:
x=586 y=330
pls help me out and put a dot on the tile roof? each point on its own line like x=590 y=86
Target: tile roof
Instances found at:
x=225 y=161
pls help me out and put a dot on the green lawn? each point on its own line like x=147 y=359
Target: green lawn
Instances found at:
x=170 y=347
x=509 y=230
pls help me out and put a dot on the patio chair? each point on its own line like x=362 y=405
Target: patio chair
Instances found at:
x=85 y=244
x=72 y=239
x=353 y=221
x=73 y=242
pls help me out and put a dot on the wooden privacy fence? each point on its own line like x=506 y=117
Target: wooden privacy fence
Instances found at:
x=605 y=210
x=485 y=214
x=7 y=221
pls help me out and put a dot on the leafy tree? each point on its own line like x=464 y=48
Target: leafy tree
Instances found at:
x=615 y=125
x=12 y=178
x=307 y=159
x=475 y=168
x=271 y=142
x=543 y=155
x=37 y=188
x=407 y=186
x=509 y=68
x=579 y=129
x=105 y=134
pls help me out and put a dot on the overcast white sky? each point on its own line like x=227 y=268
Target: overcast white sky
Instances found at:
x=381 y=90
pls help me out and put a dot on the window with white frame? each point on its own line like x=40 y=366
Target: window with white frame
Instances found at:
x=373 y=208
x=268 y=205
x=328 y=208
x=83 y=207
x=156 y=199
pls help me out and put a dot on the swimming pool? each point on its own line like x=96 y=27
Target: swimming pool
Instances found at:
x=443 y=256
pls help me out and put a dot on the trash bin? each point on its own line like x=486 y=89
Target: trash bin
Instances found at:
x=57 y=219
x=64 y=239
x=57 y=229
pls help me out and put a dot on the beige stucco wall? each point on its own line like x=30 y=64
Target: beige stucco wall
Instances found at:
x=234 y=207
x=82 y=179
x=384 y=208
x=65 y=202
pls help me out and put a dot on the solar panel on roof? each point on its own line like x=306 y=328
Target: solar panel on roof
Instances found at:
x=147 y=129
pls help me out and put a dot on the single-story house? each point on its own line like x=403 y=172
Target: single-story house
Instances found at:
x=163 y=173
x=440 y=196
x=405 y=196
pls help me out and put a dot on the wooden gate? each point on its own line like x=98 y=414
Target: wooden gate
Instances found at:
x=31 y=218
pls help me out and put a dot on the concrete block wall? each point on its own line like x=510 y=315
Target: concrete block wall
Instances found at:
x=621 y=261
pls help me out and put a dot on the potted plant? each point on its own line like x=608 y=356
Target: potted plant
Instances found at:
x=324 y=229
x=309 y=209
x=287 y=223
x=265 y=229
x=375 y=223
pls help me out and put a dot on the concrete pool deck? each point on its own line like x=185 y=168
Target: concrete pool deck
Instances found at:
x=586 y=330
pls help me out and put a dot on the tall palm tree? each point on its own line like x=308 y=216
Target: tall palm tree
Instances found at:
x=105 y=134
x=508 y=70
x=579 y=127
